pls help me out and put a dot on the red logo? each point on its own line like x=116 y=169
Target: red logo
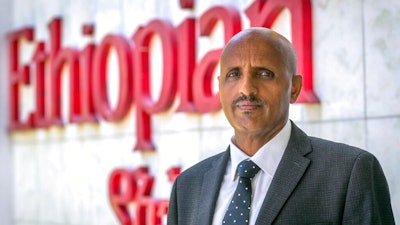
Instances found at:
x=183 y=76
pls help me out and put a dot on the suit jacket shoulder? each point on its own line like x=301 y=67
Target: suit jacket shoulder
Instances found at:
x=197 y=170
x=321 y=181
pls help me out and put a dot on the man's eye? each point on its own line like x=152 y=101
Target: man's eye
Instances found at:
x=266 y=73
x=232 y=74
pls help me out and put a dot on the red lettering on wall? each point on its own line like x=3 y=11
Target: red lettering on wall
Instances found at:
x=182 y=76
x=88 y=112
x=18 y=75
x=99 y=80
x=187 y=58
x=130 y=196
x=59 y=58
x=39 y=62
x=146 y=105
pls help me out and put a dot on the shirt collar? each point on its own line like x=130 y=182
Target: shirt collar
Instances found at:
x=267 y=157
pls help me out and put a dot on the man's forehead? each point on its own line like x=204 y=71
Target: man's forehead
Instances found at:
x=252 y=43
x=245 y=51
x=260 y=47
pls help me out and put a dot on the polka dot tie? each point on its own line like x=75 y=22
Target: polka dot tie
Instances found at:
x=239 y=208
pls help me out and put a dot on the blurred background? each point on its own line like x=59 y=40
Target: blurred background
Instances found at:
x=61 y=174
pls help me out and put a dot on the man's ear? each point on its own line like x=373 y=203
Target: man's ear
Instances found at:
x=297 y=83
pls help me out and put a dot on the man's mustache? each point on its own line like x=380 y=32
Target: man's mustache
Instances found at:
x=250 y=98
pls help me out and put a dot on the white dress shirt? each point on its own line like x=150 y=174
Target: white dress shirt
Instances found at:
x=267 y=158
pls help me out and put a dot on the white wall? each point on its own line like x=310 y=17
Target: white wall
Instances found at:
x=59 y=176
x=6 y=173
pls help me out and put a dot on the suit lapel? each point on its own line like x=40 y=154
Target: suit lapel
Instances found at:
x=210 y=189
x=288 y=174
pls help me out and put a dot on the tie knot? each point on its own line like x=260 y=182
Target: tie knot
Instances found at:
x=247 y=169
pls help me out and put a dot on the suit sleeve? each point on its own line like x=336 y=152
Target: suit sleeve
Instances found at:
x=368 y=197
x=172 y=216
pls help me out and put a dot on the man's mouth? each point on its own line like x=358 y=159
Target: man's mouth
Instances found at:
x=246 y=105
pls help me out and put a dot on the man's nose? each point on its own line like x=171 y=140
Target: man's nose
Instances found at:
x=248 y=85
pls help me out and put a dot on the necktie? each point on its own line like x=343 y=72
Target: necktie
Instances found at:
x=239 y=208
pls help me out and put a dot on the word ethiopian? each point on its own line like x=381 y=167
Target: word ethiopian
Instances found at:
x=190 y=80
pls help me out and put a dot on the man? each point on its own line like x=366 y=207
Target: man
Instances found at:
x=299 y=179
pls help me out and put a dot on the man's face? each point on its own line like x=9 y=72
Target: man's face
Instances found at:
x=255 y=86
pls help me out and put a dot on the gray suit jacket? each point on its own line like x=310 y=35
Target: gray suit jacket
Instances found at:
x=317 y=182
